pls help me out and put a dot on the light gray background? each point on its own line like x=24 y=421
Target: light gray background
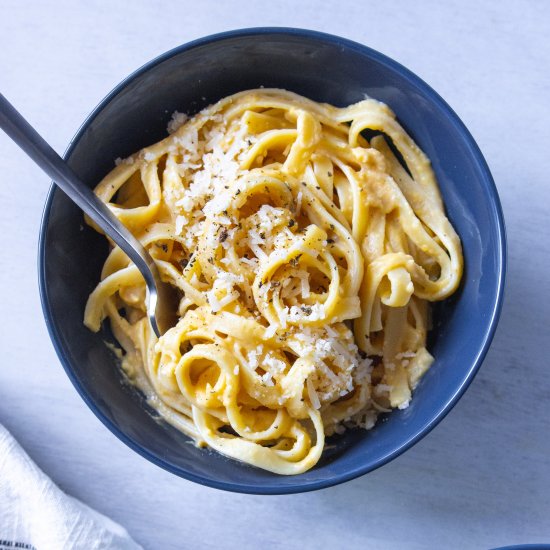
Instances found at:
x=482 y=477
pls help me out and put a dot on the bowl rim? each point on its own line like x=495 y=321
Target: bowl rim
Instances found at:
x=272 y=487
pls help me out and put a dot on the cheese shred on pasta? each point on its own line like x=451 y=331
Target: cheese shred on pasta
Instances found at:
x=306 y=256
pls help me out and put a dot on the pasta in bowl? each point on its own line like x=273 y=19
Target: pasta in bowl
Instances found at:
x=439 y=345
x=306 y=256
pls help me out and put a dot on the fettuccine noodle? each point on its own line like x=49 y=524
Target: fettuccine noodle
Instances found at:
x=306 y=256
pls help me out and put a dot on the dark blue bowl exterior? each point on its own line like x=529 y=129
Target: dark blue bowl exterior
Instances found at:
x=324 y=68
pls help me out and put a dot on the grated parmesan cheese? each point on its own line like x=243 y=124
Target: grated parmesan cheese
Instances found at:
x=298 y=203
x=309 y=251
x=128 y=161
x=270 y=331
x=176 y=122
x=252 y=262
x=313 y=397
x=273 y=363
x=260 y=254
x=217 y=304
x=283 y=315
x=252 y=359
x=304 y=281
x=267 y=379
x=181 y=221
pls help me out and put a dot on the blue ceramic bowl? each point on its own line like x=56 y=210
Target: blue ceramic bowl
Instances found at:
x=324 y=68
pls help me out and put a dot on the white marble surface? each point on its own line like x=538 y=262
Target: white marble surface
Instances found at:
x=482 y=477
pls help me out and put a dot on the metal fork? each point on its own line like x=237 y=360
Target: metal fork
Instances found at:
x=161 y=299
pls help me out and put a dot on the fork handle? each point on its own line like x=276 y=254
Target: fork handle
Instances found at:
x=22 y=133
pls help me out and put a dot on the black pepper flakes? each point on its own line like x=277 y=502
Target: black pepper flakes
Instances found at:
x=223 y=235
x=294 y=261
